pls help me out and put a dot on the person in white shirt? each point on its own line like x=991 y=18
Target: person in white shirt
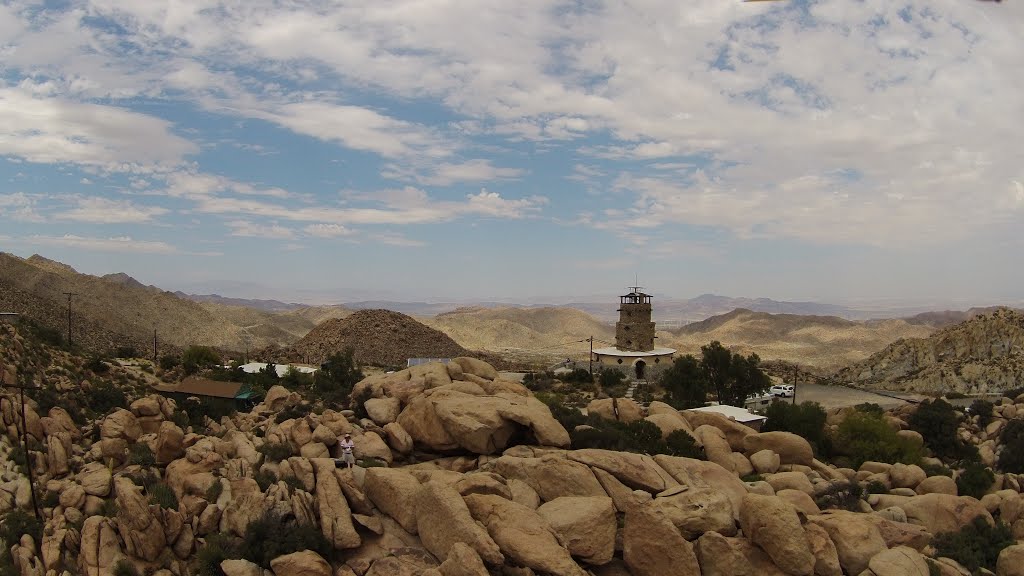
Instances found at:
x=347 y=445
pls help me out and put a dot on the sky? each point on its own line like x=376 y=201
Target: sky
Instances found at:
x=321 y=151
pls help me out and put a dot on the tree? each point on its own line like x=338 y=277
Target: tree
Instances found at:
x=196 y=357
x=337 y=376
x=937 y=422
x=685 y=383
x=732 y=377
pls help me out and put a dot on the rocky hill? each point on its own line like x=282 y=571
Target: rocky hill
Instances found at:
x=460 y=472
x=823 y=342
x=377 y=337
x=537 y=334
x=982 y=355
x=116 y=310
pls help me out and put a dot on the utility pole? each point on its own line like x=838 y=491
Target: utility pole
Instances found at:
x=69 y=295
x=155 y=360
x=794 y=383
x=591 y=340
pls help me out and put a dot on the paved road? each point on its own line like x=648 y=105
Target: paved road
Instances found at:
x=841 y=396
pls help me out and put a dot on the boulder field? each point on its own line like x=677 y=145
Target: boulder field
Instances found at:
x=466 y=474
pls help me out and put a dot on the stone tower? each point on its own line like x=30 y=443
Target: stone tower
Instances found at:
x=635 y=331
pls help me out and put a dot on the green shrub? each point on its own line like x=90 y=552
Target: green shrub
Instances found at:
x=876 y=487
x=863 y=436
x=162 y=495
x=51 y=499
x=275 y=451
x=97 y=365
x=577 y=376
x=977 y=545
x=334 y=381
x=271 y=536
x=105 y=396
x=869 y=408
x=199 y=409
x=752 y=478
x=680 y=443
x=196 y=357
x=936 y=470
x=1011 y=459
x=975 y=480
x=214 y=491
x=983 y=410
x=168 y=362
x=18 y=522
x=937 y=421
x=265 y=479
x=295 y=411
x=956 y=396
x=539 y=381
x=841 y=495
x=125 y=568
x=218 y=548
x=141 y=454
x=294 y=483
x=806 y=419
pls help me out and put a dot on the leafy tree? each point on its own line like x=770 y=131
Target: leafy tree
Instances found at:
x=1011 y=459
x=733 y=377
x=806 y=419
x=975 y=480
x=196 y=357
x=336 y=377
x=577 y=376
x=862 y=437
x=613 y=383
x=936 y=421
x=983 y=409
x=685 y=383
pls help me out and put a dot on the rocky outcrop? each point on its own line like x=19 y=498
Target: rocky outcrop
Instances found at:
x=981 y=355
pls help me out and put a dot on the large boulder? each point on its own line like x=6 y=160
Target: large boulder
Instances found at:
x=169 y=443
x=652 y=546
x=467 y=365
x=439 y=506
x=792 y=449
x=855 y=536
x=393 y=491
x=523 y=535
x=335 y=514
x=943 y=512
x=551 y=476
x=773 y=524
x=621 y=409
x=695 y=511
x=669 y=422
x=716 y=446
x=1011 y=561
x=304 y=563
x=906 y=476
x=462 y=561
x=634 y=470
x=383 y=410
x=120 y=424
x=100 y=549
x=701 y=474
x=141 y=532
x=734 y=431
x=585 y=524
x=899 y=561
x=826 y=557
x=721 y=556
x=937 y=485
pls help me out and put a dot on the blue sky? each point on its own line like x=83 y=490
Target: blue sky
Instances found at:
x=312 y=151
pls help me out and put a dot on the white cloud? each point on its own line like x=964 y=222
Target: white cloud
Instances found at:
x=99 y=210
x=20 y=206
x=249 y=229
x=113 y=244
x=52 y=130
x=448 y=173
x=328 y=230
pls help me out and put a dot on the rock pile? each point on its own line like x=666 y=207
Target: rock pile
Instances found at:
x=481 y=482
x=377 y=337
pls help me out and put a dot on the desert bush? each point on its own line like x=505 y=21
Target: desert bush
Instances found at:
x=755 y=477
x=577 y=376
x=104 y=397
x=1011 y=459
x=51 y=499
x=214 y=491
x=977 y=545
x=271 y=536
x=275 y=451
x=806 y=419
x=294 y=483
x=265 y=479
x=863 y=436
x=168 y=362
x=841 y=495
x=679 y=443
x=936 y=470
x=869 y=408
x=162 y=495
x=333 y=382
x=196 y=357
x=141 y=454
x=539 y=381
x=97 y=365
x=371 y=463
x=125 y=568
x=876 y=487
x=983 y=409
x=199 y=409
x=642 y=437
x=18 y=522
x=218 y=548
x=294 y=411
x=937 y=421
x=975 y=480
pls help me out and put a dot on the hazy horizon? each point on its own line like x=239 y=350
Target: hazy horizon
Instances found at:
x=807 y=150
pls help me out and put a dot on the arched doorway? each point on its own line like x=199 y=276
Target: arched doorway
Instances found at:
x=639 y=368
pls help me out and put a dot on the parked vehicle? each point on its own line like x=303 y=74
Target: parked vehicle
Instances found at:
x=783 y=390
